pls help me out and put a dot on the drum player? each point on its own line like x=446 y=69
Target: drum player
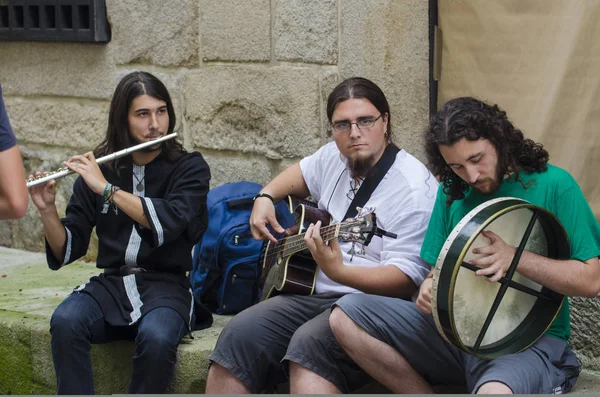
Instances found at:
x=479 y=155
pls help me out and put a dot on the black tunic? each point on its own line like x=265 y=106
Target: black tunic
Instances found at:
x=173 y=197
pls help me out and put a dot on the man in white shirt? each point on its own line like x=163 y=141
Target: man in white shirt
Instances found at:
x=291 y=332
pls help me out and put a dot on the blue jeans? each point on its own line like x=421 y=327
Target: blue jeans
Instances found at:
x=78 y=322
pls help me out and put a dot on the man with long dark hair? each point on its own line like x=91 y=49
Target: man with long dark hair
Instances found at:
x=149 y=209
x=290 y=333
x=479 y=155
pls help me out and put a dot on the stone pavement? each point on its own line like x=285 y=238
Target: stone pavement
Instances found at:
x=29 y=292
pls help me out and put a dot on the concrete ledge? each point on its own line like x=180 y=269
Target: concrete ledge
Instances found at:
x=29 y=293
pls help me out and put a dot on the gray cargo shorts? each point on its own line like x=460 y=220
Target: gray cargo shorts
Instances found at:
x=256 y=344
x=548 y=367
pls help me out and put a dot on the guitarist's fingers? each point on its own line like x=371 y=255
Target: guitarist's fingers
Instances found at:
x=274 y=224
x=308 y=238
x=316 y=233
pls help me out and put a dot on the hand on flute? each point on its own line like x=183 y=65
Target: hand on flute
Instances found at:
x=43 y=195
x=86 y=166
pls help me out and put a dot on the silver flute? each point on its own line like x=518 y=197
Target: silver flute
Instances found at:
x=65 y=171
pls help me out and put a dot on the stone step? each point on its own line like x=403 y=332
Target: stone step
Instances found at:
x=29 y=293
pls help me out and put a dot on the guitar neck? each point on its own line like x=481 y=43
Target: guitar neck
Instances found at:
x=293 y=244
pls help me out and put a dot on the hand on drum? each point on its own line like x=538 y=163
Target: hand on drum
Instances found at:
x=423 y=301
x=498 y=257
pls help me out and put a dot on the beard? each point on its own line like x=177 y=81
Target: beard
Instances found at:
x=360 y=166
x=493 y=184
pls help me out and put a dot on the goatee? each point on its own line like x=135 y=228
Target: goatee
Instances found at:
x=360 y=166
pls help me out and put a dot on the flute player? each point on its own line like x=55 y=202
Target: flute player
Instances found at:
x=149 y=208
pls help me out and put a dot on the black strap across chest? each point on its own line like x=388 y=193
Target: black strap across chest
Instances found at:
x=372 y=180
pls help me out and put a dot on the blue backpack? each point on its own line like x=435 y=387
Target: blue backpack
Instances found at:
x=225 y=273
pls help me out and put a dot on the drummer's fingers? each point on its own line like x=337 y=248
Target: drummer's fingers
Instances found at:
x=486 y=261
x=491 y=235
x=484 y=250
x=497 y=276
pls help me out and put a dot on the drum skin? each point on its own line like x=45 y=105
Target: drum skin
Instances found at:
x=461 y=300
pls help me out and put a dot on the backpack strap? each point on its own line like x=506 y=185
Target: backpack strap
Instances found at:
x=373 y=178
x=246 y=201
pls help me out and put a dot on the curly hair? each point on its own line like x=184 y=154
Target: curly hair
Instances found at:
x=473 y=119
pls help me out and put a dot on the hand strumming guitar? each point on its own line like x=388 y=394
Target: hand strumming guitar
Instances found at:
x=263 y=214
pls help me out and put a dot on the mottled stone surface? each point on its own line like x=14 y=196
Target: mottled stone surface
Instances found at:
x=585 y=317
x=60 y=69
x=235 y=30
x=29 y=293
x=306 y=31
x=79 y=124
x=163 y=33
x=387 y=41
x=272 y=112
x=233 y=168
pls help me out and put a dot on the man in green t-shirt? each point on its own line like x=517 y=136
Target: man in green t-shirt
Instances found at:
x=479 y=155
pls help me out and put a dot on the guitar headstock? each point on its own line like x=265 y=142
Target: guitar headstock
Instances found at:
x=359 y=229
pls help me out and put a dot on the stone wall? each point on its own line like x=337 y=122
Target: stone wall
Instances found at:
x=249 y=80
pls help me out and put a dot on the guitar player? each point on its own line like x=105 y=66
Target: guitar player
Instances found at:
x=289 y=335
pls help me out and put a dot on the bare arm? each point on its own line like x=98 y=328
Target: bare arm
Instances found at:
x=132 y=206
x=289 y=182
x=13 y=189
x=86 y=166
x=568 y=277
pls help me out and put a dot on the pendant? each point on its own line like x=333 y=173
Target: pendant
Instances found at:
x=139 y=187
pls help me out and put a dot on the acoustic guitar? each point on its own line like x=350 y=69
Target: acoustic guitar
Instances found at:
x=288 y=267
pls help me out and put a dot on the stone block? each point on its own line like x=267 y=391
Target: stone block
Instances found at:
x=235 y=30
x=585 y=317
x=387 y=41
x=306 y=31
x=79 y=124
x=225 y=169
x=272 y=112
x=329 y=80
x=61 y=69
x=163 y=33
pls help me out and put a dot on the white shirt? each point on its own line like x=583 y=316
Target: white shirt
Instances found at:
x=402 y=202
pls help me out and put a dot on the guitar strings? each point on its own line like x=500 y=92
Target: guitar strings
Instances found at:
x=292 y=244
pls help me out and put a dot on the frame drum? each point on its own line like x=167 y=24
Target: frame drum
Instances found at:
x=489 y=320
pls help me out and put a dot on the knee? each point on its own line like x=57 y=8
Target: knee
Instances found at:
x=340 y=323
x=158 y=340
x=66 y=323
x=494 y=388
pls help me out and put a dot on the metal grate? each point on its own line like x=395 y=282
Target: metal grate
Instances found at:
x=54 y=20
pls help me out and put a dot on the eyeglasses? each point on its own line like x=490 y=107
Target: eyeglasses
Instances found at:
x=346 y=126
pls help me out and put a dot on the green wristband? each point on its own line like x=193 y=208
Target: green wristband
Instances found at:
x=107 y=191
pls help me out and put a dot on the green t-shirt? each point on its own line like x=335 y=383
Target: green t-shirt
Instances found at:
x=555 y=190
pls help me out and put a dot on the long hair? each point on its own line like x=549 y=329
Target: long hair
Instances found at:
x=117 y=133
x=359 y=87
x=473 y=119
